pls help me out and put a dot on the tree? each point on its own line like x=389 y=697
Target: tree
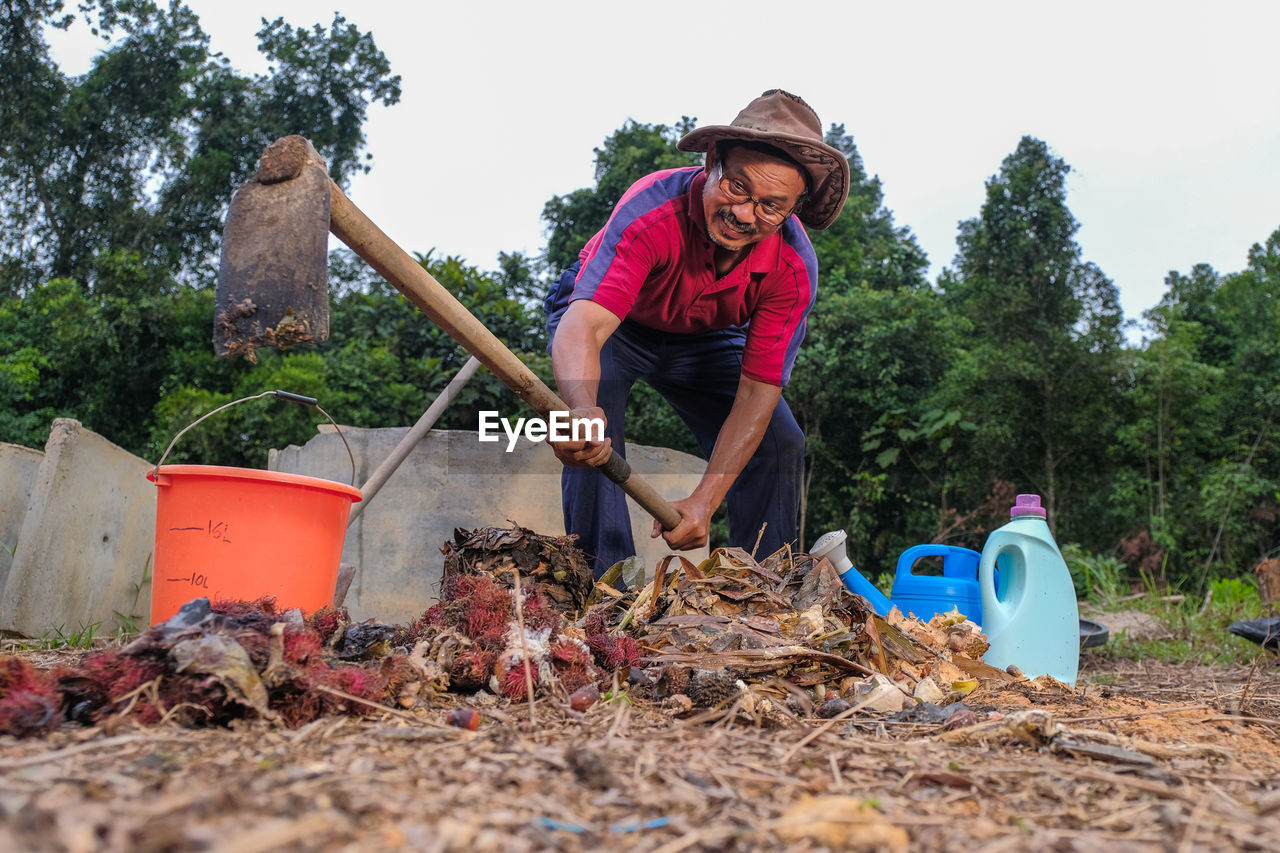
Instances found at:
x=863 y=248
x=877 y=453
x=875 y=344
x=1217 y=421
x=141 y=153
x=631 y=152
x=102 y=357
x=1037 y=372
x=383 y=365
x=113 y=187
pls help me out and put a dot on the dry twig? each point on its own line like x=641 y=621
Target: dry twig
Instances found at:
x=524 y=649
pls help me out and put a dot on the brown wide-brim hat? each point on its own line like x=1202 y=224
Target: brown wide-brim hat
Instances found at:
x=785 y=121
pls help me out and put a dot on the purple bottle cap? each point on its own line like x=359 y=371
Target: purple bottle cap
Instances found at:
x=1027 y=505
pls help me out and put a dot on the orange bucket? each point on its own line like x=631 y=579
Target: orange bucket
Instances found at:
x=239 y=533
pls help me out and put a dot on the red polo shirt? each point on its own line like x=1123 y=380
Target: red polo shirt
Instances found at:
x=653 y=263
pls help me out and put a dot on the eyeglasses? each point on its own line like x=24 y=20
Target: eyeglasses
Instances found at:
x=766 y=211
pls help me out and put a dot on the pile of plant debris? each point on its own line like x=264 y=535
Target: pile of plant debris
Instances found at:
x=784 y=636
x=519 y=618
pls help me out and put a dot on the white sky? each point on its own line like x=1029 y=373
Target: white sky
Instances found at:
x=1167 y=112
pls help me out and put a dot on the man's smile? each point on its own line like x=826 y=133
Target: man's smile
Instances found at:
x=732 y=227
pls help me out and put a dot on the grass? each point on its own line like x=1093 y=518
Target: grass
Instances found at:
x=1195 y=628
x=1198 y=634
x=87 y=636
x=58 y=638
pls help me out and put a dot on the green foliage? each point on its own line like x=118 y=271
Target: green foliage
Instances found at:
x=1038 y=372
x=880 y=461
x=633 y=151
x=1098 y=578
x=138 y=156
x=1194 y=631
x=1205 y=423
x=383 y=365
x=1234 y=595
x=58 y=638
x=140 y=370
x=101 y=357
x=875 y=343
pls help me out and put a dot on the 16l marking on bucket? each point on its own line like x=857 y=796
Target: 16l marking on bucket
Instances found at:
x=218 y=530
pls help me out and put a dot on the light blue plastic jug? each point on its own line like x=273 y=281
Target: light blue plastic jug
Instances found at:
x=1029 y=614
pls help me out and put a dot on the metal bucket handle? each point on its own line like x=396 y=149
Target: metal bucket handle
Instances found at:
x=280 y=395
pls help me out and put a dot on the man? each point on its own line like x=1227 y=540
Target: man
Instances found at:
x=700 y=284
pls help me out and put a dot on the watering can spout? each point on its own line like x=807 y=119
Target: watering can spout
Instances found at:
x=832 y=546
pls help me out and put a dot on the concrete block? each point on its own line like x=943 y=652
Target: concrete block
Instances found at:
x=453 y=480
x=18 y=467
x=84 y=552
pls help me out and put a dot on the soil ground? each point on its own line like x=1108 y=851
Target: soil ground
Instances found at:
x=1147 y=757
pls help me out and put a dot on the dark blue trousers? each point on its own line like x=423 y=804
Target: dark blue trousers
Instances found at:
x=698 y=375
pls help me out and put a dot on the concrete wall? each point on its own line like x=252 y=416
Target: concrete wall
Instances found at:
x=84 y=551
x=18 y=467
x=453 y=480
x=83 y=517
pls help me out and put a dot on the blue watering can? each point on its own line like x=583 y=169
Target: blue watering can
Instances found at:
x=923 y=595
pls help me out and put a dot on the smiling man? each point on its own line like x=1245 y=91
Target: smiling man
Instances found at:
x=700 y=284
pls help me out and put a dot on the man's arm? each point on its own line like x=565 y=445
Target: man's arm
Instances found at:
x=575 y=358
x=738 y=439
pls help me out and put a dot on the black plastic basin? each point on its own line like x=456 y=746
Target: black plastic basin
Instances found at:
x=1093 y=634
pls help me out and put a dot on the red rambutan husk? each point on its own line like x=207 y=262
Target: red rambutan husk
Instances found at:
x=573 y=665
x=327 y=620
x=538 y=615
x=261 y=613
x=514 y=686
x=612 y=649
x=471 y=669
x=354 y=680
x=486 y=610
x=29 y=701
x=301 y=647
x=433 y=616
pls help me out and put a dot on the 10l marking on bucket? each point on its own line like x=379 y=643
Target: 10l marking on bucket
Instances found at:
x=196 y=579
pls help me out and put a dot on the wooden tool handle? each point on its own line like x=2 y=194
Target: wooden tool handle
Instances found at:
x=368 y=241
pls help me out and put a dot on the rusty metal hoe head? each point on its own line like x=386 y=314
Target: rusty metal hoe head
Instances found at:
x=273 y=277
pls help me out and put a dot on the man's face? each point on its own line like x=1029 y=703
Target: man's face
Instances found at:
x=766 y=180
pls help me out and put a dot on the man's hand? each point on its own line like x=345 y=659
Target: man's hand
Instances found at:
x=739 y=437
x=694 y=526
x=581 y=453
